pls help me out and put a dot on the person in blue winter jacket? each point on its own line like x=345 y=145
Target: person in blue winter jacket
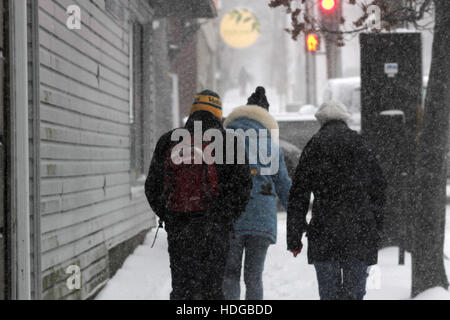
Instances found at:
x=256 y=228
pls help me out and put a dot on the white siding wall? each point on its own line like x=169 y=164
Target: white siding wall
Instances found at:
x=86 y=205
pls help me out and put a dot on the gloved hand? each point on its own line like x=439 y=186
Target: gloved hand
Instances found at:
x=297 y=252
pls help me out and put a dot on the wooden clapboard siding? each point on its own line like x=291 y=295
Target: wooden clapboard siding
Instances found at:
x=86 y=203
x=61 y=237
x=61 y=134
x=79 y=89
x=61 y=65
x=56 y=115
x=64 y=203
x=54 y=279
x=69 y=102
x=97 y=273
x=63 y=253
x=54 y=222
x=53 y=20
x=59 y=186
x=61 y=49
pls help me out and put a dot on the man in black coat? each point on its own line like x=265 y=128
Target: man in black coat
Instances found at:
x=339 y=168
x=198 y=240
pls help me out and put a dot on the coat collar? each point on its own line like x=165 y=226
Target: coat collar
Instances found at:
x=258 y=114
x=339 y=123
x=208 y=120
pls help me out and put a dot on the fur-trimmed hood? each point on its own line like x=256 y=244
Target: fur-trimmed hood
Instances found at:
x=258 y=114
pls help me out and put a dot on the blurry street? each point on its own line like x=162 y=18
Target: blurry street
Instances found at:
x=345 y=100
x=145 y=275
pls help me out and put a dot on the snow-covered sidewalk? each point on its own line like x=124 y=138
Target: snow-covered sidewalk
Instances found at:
x=145 y=275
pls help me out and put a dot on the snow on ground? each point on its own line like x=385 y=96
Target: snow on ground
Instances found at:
x=145 y=275
x=434 y=294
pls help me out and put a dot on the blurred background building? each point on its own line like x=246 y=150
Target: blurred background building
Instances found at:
x=88 y=87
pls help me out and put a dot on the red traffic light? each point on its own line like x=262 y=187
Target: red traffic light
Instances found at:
x=312 y=42
x=328 y=5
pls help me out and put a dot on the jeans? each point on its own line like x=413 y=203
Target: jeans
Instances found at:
x=344 y=280
x=255 y=248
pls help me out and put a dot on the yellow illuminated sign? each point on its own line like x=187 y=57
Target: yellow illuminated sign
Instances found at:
x=240 y=28
x=312 y=43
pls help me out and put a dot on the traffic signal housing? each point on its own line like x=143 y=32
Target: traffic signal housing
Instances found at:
x=329 y=13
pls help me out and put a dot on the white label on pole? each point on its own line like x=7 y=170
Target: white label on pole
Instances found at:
x=391 y=69
x=374 y=19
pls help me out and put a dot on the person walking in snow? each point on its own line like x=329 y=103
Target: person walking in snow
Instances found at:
x=244 y=79
x=197 y=203
x=256 y=229
x=340 y=169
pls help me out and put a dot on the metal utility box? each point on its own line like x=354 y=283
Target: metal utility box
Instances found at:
x=391 y=97
x=391 y=79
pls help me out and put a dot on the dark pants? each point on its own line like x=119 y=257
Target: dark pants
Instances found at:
x=198 y=251
x=341 y=280
x=255 y=255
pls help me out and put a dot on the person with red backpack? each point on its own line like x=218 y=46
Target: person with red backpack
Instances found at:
x=198 y=201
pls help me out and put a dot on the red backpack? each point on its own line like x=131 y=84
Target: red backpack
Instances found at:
x=190 y=187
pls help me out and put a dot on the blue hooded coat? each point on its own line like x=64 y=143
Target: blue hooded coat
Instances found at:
x=260 y=216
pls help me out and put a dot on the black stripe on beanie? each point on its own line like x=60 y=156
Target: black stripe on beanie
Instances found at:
x=209 y=104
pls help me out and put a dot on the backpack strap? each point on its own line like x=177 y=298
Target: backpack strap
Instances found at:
x=168 y=195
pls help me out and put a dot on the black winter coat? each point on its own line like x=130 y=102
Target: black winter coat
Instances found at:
x=340 y=169
x=234 y=179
